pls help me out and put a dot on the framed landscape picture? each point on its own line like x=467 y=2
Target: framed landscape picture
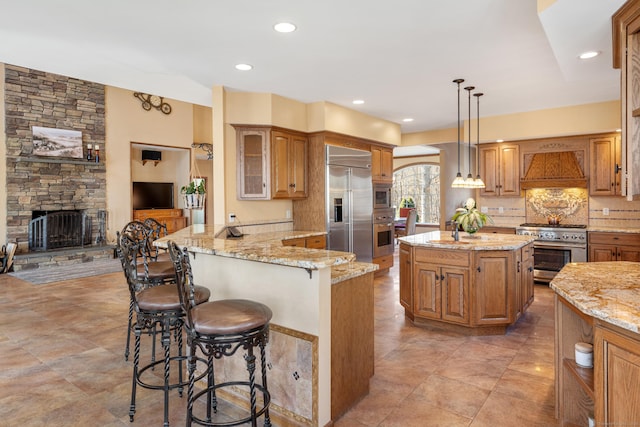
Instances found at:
x=57 y=142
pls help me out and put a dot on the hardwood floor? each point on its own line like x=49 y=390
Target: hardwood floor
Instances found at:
x=62 y=364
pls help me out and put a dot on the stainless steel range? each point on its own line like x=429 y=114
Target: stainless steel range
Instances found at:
x=555 y=246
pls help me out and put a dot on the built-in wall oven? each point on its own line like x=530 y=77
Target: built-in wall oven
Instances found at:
x=383 y=232
x=554 y=247
x=381 y=196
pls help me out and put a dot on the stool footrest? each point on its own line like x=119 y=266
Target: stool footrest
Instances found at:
x=266 y=401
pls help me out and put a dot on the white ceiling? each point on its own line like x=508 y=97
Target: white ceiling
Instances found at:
x=399 y=56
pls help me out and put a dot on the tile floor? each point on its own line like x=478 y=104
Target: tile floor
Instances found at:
x=62 y=364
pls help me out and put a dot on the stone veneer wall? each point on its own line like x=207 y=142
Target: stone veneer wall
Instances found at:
x=35 y=98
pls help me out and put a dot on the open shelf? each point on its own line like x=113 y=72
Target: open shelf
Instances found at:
x=584 y=376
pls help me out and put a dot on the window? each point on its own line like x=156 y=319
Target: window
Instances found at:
x=421 y=183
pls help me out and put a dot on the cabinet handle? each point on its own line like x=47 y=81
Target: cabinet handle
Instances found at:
x=530 y=269
x=617 y=169
x=618 y=254
x=442 y=277
x=518 y=269
x=479 y=270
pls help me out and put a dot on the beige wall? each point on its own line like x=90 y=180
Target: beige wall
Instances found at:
x=126 y=122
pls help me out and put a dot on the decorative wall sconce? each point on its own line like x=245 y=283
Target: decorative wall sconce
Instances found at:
x=206 y=147
x=154 y=101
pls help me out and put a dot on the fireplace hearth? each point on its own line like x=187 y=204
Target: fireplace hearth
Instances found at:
x=59 y=229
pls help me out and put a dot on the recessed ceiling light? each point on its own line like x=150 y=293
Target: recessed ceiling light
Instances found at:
x=244 y=67
x=358 y=101
x=618 y=130
x=407 y=120
x=284 y=27
x=589 y=55
x=499 y=140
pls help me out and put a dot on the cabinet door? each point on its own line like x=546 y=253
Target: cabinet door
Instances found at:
x=406 y=283
x=427 y=300
x=617 y=379
x=455 y=294
x=628 y=253
x=601 y=253
x=603 y=167
x=493 y=282
x=509 y=171
x=381 y=164
x=289 y=165
x=527 y=282
x=298 y=166
x=280 y=165
x=489 y=171
x=253 y=166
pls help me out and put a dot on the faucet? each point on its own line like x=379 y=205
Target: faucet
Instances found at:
x=454 y=232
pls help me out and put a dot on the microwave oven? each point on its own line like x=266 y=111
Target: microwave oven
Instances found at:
x=381 y=196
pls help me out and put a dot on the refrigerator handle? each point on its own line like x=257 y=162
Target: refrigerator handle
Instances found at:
x=337 y=210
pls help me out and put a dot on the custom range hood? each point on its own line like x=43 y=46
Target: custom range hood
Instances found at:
x=554 y=170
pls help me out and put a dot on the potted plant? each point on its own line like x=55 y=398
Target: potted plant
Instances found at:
x=406 y=204
x=194 y=194
x=469 y=217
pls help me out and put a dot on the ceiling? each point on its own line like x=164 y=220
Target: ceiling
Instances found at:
x=400 y=57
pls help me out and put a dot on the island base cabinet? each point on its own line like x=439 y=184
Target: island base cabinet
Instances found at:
x=617 y=376
x=494 y=276
x=406 y=278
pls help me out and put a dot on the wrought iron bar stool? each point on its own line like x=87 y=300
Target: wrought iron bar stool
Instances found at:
x=155 y=306
x=156 y=231
x=219 y=329
x=148 y=272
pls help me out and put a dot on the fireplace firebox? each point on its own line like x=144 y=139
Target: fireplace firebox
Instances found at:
x=59 y=229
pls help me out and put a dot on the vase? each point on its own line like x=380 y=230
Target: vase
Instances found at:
x=471 y=230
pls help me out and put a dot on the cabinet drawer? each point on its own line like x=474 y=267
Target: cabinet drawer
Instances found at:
x=442 y=257
x=294 y=242
x=603 y=238
x=527 y=252
x=316 y=242
x=384 y=262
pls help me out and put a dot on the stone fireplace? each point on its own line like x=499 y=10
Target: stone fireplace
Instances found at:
x=47 y=184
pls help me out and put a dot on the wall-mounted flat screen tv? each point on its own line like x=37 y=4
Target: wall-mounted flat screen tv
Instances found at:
x=152 y=195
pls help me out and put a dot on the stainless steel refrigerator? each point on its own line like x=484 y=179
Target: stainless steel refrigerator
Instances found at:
x=349 y=202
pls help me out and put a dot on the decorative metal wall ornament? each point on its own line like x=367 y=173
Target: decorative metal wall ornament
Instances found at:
x=206 y=147
x=154 y=101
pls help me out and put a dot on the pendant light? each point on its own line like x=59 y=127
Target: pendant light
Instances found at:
x=478 y=182
x=459 y=181
x=469 y=183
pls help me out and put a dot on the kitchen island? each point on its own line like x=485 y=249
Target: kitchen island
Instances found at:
x=478 y=285
x=321 y=301
x=598 y=303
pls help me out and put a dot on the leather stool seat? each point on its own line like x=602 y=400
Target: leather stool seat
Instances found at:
x=165 y=297
x=158 y=270
x=228 y=317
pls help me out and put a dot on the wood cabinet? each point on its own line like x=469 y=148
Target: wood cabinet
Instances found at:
x=405 y=259
x=605 y=246
x=626 y=57
x=611 y=389
x=173 y=218
x=252 y=148
x=575 y=393
x=617 y=376
x=500 y=170
x=486 y=290
x=312 y=242
x=288 y=165
x=271 y=163
x=605 y=166
x=381 y=164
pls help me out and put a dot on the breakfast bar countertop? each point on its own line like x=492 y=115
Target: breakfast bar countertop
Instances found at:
x=268 y=248
x=474 y=242
x=609 y=291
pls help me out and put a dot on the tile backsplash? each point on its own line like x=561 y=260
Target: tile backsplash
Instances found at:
x=570 y=205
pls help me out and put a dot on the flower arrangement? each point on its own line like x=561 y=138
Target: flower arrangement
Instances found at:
x=470 y=218
x=194 y=194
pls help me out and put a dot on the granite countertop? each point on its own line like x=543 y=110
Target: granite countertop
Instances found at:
x=609 y=291
x=268 y=248
x=613 y=229
x=475 y=242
